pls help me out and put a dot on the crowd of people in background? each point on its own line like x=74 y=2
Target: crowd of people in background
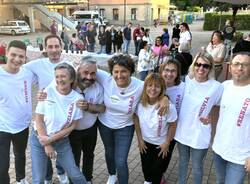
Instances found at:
x=179 y=103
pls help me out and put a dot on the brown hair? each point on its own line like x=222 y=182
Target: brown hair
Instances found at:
x=178 y=67
x=153 y=78
x=17 y=44
x=52 y=36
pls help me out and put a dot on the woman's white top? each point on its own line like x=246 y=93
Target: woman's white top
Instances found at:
x=198 y=100
x=154 y=128
x=58 y=110
x=120 y=102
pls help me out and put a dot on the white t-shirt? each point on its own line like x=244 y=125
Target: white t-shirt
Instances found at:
x=94 y=95
x=143 y=61
x=120 y=102
x=154 y=128
x=216 y=51
x=198 y=100
x=43 y=69
x=175 y=93
x=185 y=37
x=15 y=100
x=58 y=110
x=232 y=138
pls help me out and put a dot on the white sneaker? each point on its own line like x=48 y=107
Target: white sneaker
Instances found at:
x=146 y=182
x=89 y=182
x=63 y=178
x=112 y=179
x=48 y=182
x=22 y=181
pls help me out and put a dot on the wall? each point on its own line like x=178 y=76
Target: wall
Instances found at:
x=6 y=13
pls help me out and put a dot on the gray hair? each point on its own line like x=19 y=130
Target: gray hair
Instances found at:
x=87 y=60
x=68 y=67
x=204 y=55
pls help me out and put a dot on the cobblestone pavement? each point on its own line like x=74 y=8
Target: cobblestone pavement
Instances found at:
x=200 y=38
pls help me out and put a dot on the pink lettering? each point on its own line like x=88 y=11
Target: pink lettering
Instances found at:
x=203 y=106
x=26 y=92
x=70 y=112
x=159 y=125
x=243 y=112
x=130 y=106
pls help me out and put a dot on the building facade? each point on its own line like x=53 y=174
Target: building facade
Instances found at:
x=120 y=12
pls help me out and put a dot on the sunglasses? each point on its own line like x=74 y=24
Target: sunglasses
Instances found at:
x=205 y=66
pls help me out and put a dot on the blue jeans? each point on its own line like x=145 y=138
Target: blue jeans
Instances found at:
x=228 y=172
x=126 y=44
x=197 y=163
x=117 y=143
x=102 y=49
x=64 y=156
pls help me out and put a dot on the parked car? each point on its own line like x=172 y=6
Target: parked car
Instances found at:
x=14 y=27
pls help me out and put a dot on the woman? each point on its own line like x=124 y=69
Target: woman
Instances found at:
x=55 y=118
x=159 y=52
x=193 y=131
x=144 y=64
x=147 y=37
x=108 y=40
x=217 y=50
x=185 y=34
x=119 y=39
x=102 y=40
x=171 y=73
x=121 y=95
x=154 y=132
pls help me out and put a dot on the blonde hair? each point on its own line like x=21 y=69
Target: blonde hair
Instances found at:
x=205 y=56
x=153 y=78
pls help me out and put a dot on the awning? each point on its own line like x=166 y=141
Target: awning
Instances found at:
x=234 y=1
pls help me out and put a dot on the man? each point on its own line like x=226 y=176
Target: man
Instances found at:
x=232 y=139
x=127 y=37
x=43 y=70
x=83 y=138
x=90 y=38
x=15 y=111
x=54 y=28
x=137 y=37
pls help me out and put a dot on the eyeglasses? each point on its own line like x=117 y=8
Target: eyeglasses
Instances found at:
x=237 y=64
x=205 y=66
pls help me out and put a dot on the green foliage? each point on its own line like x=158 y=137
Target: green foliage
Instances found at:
x=211 y=22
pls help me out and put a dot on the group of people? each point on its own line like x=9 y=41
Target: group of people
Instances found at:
x=74 y=103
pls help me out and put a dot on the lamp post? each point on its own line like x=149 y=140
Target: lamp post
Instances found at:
x=124 y=19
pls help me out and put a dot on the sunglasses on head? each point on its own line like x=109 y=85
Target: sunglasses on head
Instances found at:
x=206 y=66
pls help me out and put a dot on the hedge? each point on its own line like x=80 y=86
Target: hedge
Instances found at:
x=212 y=20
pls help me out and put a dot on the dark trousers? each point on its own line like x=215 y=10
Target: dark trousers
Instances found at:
x=169 y=155
x=19 y=141
x=84 y=141
x=152 y=166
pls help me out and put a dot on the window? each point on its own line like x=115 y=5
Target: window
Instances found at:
x=115 y=14
x=133 y=14
x=102 y=12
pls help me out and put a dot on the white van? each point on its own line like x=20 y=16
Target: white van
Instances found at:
x=88 y=16
x=15 y=27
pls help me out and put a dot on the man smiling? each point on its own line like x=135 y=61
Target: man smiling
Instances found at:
x=15 y=111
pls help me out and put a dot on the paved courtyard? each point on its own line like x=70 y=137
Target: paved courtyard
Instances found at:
x=200 y=38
